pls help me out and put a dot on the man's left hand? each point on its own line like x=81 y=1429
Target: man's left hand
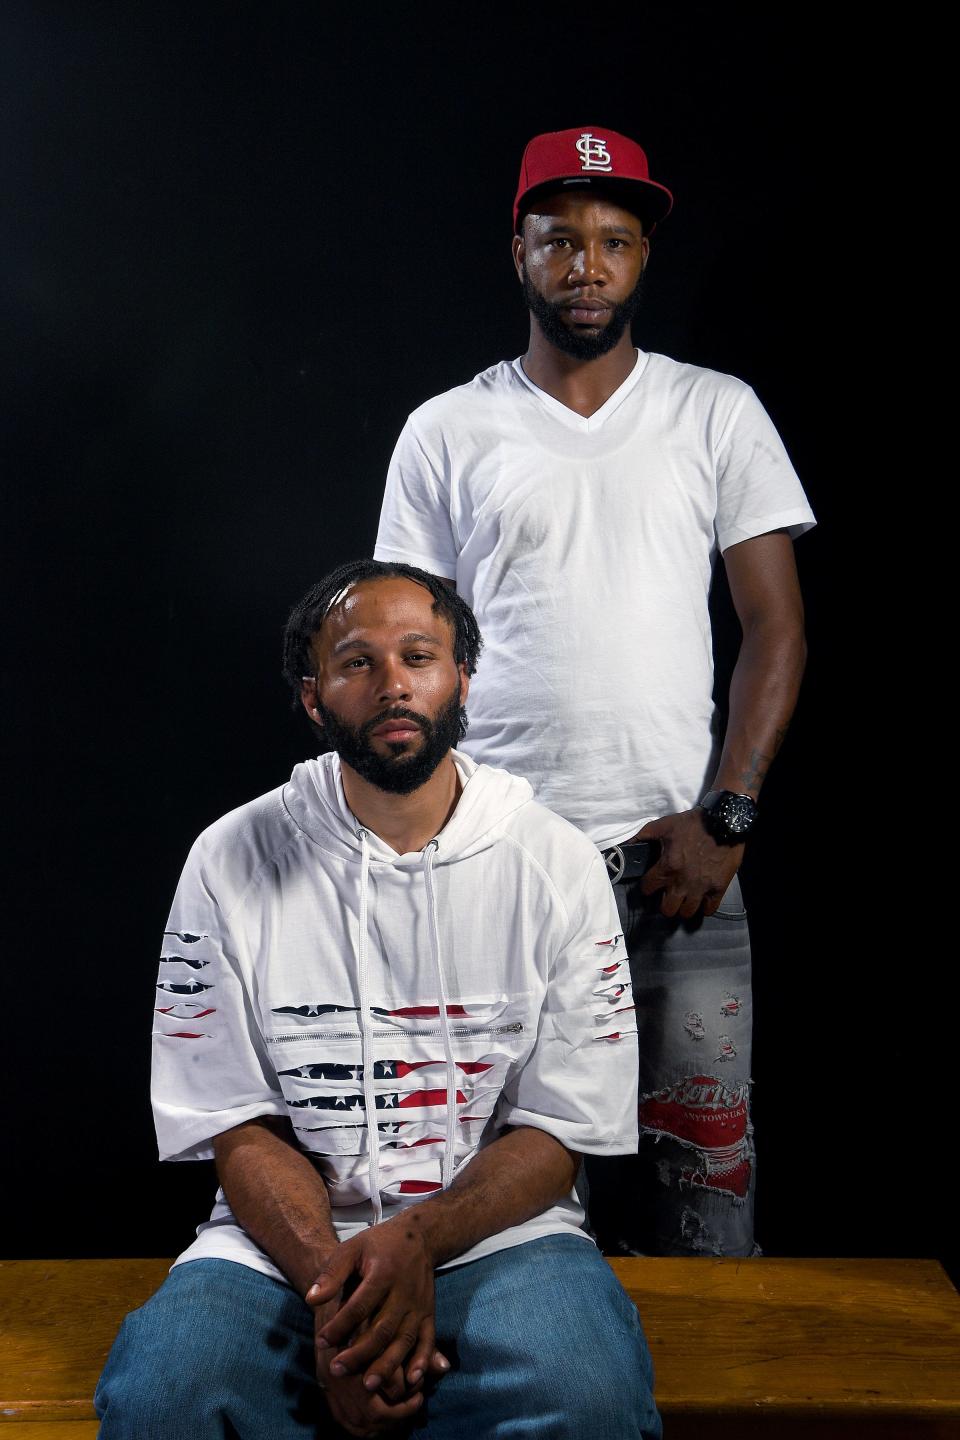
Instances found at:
x=392 y=1305
x=693 y=871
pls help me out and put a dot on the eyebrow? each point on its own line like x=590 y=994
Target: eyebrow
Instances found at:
x=413 y=637
x=559 y=226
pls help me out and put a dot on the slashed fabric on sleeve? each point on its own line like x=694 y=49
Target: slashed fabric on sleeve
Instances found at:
x=580 y=1082
x=210 y=1066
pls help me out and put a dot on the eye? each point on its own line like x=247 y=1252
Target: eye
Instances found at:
x=558 y=241
x=418 y=657
x=357 y=662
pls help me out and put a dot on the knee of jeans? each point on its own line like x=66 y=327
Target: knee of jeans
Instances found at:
x=614 y=1395
x=141 y=1397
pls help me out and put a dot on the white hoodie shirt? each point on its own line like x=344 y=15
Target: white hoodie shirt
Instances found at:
x=310 y=972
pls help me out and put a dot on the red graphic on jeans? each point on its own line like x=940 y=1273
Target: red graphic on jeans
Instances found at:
x=699 y=1111
x=733 y=1178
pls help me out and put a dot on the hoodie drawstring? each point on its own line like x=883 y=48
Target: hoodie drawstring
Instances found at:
x=366 y=1056
x=434 y=929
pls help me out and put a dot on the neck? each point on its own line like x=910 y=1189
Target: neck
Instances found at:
x=581 y=385
x=405 y=822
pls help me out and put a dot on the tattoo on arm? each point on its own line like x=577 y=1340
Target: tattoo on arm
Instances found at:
x=759 y=765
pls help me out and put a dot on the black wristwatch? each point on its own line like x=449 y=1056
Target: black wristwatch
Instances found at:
x=728 y=816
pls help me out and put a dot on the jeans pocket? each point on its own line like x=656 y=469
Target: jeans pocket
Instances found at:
x=731 y=907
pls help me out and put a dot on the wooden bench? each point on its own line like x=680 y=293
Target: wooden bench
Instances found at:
x=743 y=1348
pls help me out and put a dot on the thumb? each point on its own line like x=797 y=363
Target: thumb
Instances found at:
x=331 y=1280
x=652 y=830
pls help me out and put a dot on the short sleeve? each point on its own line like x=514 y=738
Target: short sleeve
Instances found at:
x=580 y=1081
x=758 y=489
x=210 y=1069
x=415 y=524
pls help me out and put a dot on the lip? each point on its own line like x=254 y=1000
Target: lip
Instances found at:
x=586 y=312
x=396 y=729
x=586 y=305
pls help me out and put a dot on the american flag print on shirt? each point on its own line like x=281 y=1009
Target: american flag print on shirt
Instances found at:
x=317 y=1052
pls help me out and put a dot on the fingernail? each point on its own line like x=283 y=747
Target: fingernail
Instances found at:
x=415 y=1375
x=322 y=1344
x=443 y=1362
x=372 y=1381
x=337 y=1369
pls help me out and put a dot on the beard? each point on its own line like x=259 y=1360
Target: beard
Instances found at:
x=400 y=772
x=549 y=314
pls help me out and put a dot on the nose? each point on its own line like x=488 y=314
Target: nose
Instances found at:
x=588 y=267
x=393 y=681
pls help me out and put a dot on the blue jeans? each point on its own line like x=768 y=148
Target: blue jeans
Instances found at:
x=543 y=1339
x=690 y=1189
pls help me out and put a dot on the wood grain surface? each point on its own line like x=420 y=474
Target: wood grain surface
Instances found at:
x=808 y=1347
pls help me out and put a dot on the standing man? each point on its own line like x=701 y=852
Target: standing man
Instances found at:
x=578 y=497
x=393 y=1006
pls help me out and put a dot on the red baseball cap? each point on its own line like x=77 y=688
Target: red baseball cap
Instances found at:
x=591 y=156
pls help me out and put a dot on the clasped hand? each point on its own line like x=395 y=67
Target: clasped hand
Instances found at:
x=385 y=1326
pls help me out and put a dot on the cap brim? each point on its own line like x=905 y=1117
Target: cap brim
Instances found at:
x=646 y=199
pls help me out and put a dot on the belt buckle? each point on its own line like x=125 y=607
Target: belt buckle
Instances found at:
x=616 y=863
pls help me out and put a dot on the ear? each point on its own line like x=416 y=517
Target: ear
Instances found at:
x=519 y=254
x=464 y=683
x=645 y=247
x=308 y=698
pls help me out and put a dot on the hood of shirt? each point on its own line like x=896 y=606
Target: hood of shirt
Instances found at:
x=315 y=800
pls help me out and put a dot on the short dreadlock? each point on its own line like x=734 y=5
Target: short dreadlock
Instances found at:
x=308 y=615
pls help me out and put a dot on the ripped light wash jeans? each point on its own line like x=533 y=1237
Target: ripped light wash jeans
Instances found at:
x=690 y=1189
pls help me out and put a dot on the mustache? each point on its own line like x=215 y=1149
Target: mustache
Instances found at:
x=396 y=712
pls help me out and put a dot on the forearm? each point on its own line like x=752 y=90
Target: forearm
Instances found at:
x=520 y=1175
x=278 y=1197
x=763 y=695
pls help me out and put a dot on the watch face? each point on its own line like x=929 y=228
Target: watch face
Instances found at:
x=737 y=813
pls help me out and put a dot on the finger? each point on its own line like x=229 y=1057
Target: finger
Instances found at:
x=385 y=1366
x=385 y=1415
x=424 y=1352
x=353 y=1313
x=690 y=906
x=362 y=1414
x=396 y=1389
x=671 y=902
x=651 y=831
x=362 y=1350
x=439 y=1364
x=653 y=880
x=711 y=902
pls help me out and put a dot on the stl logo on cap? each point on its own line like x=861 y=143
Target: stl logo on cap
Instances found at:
x=593 y=153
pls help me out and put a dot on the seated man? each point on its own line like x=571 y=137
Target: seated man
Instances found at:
x=394 y=1005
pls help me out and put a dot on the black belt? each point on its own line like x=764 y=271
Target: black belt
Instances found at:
x=630 y=861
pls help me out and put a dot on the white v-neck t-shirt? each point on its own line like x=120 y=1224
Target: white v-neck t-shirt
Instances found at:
x=585 y=547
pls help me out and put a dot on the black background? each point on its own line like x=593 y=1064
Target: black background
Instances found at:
x=240 y=242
